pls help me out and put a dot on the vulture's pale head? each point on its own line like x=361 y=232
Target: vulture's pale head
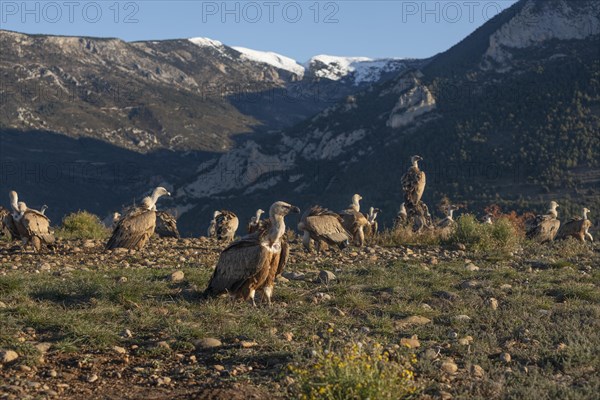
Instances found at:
x=260 y=211
x=22 y=207
x=553 y=205
x=415 y=159
x=586 y=210
x=116 y=216
x=216 y=214
x=281 y=208
x=356 y=198
x=160 y=191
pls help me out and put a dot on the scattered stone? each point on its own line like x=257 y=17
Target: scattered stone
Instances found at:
x=477 y=371
x=462 y=317
x=248 y=344
x=492 y=303
x=127 y=333
x=289 y=336
x=338 y=312
x=119 y=350
x=207 y=343
x=442 y=294
x=431 y=354
x=465 y=341
x=177 y=276
x=471 y=285
x=219 y=367
x=282 y=279
x=3 y=305
x=452 y=335
x=322 y=297
x=326 y=277
x=411 y=343
x=506 y=287
x=471 y=267
x=8 y=356
x=413 y=320
x=449 y=367
x=294 y=276
x=92 y=378
x=505 y=357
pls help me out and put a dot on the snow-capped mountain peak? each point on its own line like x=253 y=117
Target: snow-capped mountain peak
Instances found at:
x=206 y=42
x=363 y=69
x=274 y=59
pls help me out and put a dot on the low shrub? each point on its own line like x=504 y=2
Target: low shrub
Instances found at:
x=82 y=225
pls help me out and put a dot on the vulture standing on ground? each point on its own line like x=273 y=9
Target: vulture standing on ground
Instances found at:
x=447 y=224
x=226 y=224
x=544 y=227
x=135 y=229
x=255 y=221
x=323 y=225
x=577 y=227
x=373 y=227
x=33 y=227
x=4 y=229
x=488 y=220
x=413 y=183
x=401 y=217
x=111 y=220
x=166 y=225
x=9 y=220
x=251 y=263
x=354 y=221
x=212 y=228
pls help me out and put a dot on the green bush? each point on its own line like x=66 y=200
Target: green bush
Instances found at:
x=501 y=236
x=82 y=225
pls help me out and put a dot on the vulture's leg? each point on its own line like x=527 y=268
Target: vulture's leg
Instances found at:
x=306 y=241
x=268 y=291
x=252 y=294
x=36 y=243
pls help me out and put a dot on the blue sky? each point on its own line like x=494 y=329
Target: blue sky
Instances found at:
x=297 y=29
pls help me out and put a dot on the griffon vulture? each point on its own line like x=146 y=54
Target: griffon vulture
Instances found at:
x=135 y=229
x=323 y=225
x=373 y=227
x=226 y=225
x=251 y=263
x=255 y=221
x=413 y=183
x=354 y=221
x=9 y=220
x=447 y=224
x=544 y=227
x=212 y=228
x=401 y=218
x=577 y=227
x=166 y=225
x=33 y=227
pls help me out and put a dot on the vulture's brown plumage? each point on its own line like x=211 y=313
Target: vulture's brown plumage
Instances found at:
x=354 y=221
x=226 y=224
x=413 y=183
x=250 y=264
x=255 y=222
x=137 y=226
x=577 y=228
x=544 y=228
x=322 y=225
x=33 y=227
x=166 y=225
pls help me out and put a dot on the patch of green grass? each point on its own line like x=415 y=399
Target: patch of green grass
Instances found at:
x=82 y=225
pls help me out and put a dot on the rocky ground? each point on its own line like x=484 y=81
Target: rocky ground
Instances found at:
x=85 y=323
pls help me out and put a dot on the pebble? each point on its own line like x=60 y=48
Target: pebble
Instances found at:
x=119 y=350
x=471 y=267
x=505 y=357
x=326 y=277
x=492 y=303
x=462 y=317
x=207 y=343
x=413 y=320
x=177 y=276
x=8 y=356
x=92 y=378
x=477 y=371
x=449 y=367
x=411 y=343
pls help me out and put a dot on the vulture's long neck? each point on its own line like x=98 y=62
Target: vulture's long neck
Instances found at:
x=14 y=202
x=355 y=205
x=553 y=212
x=585 y=213
x=277 y=228
x=451 y=214
x=415 y=165
x=258 y=214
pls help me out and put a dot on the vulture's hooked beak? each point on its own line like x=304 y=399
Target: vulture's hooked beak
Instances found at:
x=295 y=210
